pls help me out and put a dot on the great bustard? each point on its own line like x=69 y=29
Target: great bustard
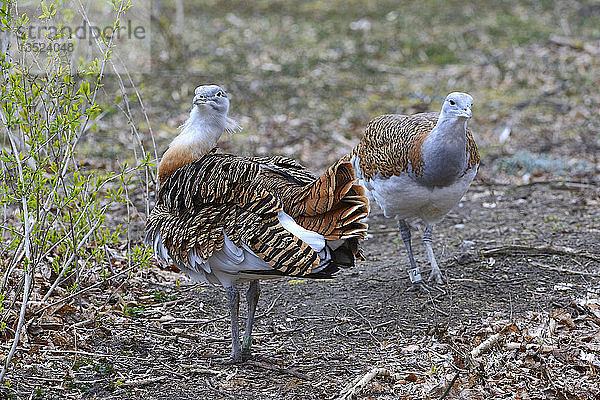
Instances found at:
x=225 y=219
x=419 y=166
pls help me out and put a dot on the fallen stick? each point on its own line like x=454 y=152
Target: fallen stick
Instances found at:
x=485 y=345
x=541 y=250
x=143 y=382
x=450 y=386
x=529 y=346
x=563 y=270
x=358 y=384
x=205 y=371
x=38 y=312
x=221 y=393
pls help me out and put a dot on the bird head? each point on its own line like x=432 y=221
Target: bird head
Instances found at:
x=211 y=99
x=457 y=105
x=208 y=116
x=200 y=132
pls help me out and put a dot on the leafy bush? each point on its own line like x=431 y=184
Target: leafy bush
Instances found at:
x=53 y=209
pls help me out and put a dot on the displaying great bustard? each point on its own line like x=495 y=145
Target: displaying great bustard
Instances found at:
x=225 y=219
x=419 y=166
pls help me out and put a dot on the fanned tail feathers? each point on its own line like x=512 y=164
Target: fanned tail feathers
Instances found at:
x=334 y=204
x=221 y=194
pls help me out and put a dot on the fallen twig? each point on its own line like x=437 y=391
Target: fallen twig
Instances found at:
x=358 y=384
x=563 y=270
x=214 y=389
x=38 y=312
x=278 y=369
x=529 y=346
x=486 y=344
x=205 y=371
x=542 y=250
x=356 y=330
x=143 y=382
x=450 y=386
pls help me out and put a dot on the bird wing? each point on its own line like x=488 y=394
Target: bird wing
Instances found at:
x=291 y=170
x=220 y=195
x=472 y=152
x=392 y=144
x=331 y=204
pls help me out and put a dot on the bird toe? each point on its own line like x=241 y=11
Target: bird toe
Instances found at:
x=436 y=277
x=418 y=287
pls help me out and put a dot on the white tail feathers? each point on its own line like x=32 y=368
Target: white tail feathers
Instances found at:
x=315 y=240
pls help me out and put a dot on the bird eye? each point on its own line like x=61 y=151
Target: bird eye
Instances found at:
x=452 y=102
x=219 y=94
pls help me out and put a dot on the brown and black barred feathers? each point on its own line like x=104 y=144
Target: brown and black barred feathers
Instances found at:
x=393 y=142
x=242 y=197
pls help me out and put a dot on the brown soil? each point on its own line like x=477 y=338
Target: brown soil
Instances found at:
x=508 y=269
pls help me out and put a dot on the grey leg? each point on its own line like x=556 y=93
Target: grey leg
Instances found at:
x=252 y=298
x=233 y=301
x=413 y=273
x=436 y=274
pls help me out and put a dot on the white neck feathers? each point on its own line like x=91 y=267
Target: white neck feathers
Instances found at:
x=199 y=135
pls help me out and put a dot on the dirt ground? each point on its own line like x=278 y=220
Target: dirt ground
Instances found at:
x=519 y=314
x=514 y=258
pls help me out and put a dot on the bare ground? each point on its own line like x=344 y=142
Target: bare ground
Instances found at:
x=521 y=255
x=521 y=262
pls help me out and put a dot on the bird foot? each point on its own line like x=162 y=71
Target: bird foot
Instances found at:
x=414 y=274
x=238 y=357
x=233 y=360
x=436 y=276
x=235 y=357
x=418 y=287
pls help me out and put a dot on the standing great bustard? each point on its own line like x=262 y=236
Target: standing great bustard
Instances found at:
x=225 y=219
x=419 y=166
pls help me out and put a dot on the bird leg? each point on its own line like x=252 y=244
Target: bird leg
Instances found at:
x=252 y=298
x=413 y=273
x=436 y=274
x=233 y=301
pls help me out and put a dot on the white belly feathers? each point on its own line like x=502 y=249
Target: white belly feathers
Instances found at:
x=401 y=197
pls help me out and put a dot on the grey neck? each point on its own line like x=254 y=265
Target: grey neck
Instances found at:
x=444 y=152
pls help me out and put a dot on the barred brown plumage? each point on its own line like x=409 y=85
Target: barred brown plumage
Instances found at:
x=223 y=218
x=419 y=166
x=392 y=144
x=241 y=197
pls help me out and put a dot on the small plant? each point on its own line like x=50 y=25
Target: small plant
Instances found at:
x=38 y=394
x=103 y=368
x=134 y=311
x=162 y=297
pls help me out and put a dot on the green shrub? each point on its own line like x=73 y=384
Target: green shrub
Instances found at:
x=53 y=209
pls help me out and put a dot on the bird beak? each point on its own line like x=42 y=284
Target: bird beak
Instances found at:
x=198 y=99
x=466 y=113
